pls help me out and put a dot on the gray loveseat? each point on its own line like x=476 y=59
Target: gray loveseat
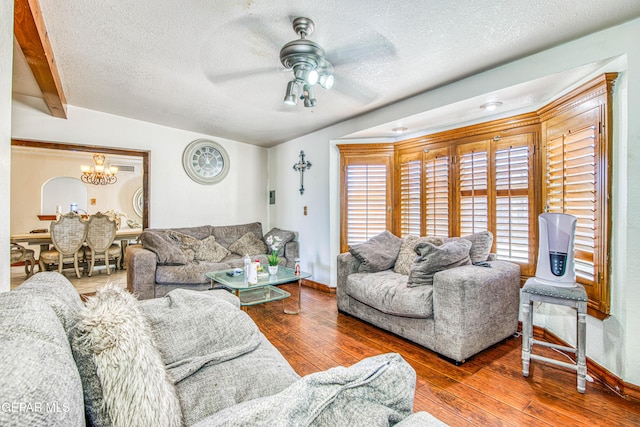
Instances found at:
x=189 y=358
x=162 y=262
x=459 y=312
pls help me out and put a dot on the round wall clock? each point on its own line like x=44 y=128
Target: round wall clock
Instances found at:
x=205 y=161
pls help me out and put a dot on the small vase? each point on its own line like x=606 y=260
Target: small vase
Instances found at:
x=273 y=269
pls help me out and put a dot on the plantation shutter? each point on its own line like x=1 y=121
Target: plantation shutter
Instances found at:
x=436 y=191
x=571 y=186
x=473 y=170
x=410 y=195
x=513 y=213
x=365 y=192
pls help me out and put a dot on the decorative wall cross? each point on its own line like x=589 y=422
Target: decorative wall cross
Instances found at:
x=301 y=166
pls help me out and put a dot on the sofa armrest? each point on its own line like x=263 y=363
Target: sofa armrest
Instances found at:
x=291 y=252
x=347 y=264
x=475 y=307
x=141 y=271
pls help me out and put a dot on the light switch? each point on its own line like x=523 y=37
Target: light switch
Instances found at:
x=93 y=202
x=305 y=211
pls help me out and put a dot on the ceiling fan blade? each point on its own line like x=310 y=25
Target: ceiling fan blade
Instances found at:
x=262 y=30
x=354 y=90
x=238 y=75
x=377 y=48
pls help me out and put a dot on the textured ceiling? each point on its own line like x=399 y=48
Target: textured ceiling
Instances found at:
x=213 y=66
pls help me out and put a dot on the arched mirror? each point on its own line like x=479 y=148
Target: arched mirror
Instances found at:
x=63 y=191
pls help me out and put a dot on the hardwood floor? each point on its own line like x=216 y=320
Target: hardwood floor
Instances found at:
x=488 y=390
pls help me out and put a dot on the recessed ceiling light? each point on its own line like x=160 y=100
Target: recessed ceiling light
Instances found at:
x=490 y=106
x=399 y=129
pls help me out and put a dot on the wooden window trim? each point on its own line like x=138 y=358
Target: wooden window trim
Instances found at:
x=599 y=92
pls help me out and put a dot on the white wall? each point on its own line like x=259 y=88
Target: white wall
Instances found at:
x=6 y=69
x=613 y=343
x=175 y=200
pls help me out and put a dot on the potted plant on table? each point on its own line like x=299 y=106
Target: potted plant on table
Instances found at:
x=274 y=245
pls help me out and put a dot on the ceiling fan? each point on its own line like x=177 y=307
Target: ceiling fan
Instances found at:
x=307 y=60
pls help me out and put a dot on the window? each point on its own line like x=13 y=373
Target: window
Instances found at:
x=366 y=195
x=473 y=184
x=436 y=192
x=410 y=200
x=514 y=218
x=497 y=176
x=576 y=179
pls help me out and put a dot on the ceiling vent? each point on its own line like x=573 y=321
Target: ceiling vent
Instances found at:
x=125 y=168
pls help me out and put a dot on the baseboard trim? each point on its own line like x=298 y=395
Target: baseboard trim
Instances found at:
x=319 y=286
x=624 y=389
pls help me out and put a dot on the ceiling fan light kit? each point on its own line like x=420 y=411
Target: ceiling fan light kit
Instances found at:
x=307 y=61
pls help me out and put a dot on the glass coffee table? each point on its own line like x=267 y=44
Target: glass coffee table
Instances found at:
x=263 y=291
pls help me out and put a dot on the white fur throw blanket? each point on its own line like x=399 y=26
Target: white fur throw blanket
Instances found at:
x=124 y=379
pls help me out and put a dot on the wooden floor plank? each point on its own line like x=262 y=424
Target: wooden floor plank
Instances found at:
x=488 y=390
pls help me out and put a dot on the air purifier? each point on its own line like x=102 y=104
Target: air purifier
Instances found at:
x=556 y=263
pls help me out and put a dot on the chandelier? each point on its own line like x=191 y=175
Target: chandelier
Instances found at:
x=99 y=174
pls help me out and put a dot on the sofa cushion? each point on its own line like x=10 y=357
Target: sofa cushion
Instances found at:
x=480 y=246
x=432 y=258
x=196 y=249
x=123 y=376
x=210 y=250
x=378 y=253
x=36 y=364
x=191 y=273
x=407 y=252
x=377 y=391
x=166 y=247
x=387 y=292
x=284 y=236
x=227 y=234
x=249 y=244
x=206 y=343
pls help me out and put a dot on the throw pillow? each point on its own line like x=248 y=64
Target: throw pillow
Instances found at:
x=407 y=252
x=284 y=235
x=166 y=248
x=248 y=244
x=123 y=377
x=378 y=253
x=210 y=250
x=480 y=245
x=432 y=258
x=188 y=244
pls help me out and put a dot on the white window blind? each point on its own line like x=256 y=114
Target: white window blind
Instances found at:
x=473 y=182
x=571 y=189
x=410 y=198
x=436 y=189
x=512 y=203
x=366 y=201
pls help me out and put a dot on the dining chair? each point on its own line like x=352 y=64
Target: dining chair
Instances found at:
x=101 y=232
x=19 y=254
x=68 y=235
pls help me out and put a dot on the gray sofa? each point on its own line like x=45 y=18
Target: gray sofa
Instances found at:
x=462 y=312
x=156 y=267
x=189 y=358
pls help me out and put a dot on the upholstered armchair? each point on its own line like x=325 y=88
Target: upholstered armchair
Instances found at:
x=68 y=235
x=101 y=232
x=19 y=254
